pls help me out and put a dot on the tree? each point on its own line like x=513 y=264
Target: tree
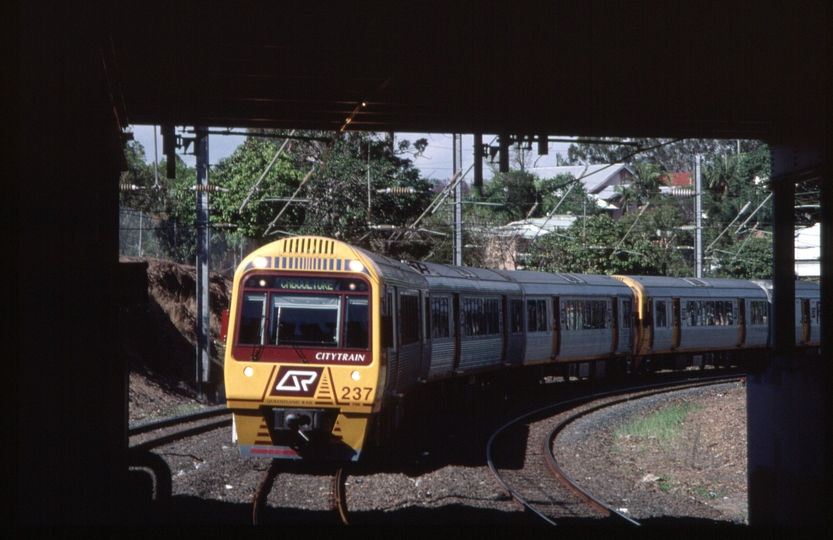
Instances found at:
x=338 y=196
x=242 y=173
x=644 y=186
x=516 y=191
x=752 y=259
x=140 y=173
x=674 y=155
x=643 y=245
x=567 y=194
x=736 y=182
x=331 y=178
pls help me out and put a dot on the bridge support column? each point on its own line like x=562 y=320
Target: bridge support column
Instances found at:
x=785 y=400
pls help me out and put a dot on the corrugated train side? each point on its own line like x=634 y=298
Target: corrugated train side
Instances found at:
x=382 y=327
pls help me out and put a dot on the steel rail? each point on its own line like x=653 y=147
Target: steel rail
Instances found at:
x=569 y=482
x=263 y=489
x=169 y=421
x=340 y=494
x=564 y=405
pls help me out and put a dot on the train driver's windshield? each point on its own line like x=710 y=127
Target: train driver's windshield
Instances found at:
x=304 y=320
x=310 y=320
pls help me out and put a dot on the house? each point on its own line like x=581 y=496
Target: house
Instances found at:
x=808 y=252
x=678 y=184
x=599 y=181
x=505 y=244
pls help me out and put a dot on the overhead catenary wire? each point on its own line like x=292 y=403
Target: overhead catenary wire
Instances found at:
x=740 y=213
x=744 y=242
x=642 y=211
x=637 y=151
x=753 y=213
x=265 y=172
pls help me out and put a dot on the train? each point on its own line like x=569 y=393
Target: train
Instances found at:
x=325 y=341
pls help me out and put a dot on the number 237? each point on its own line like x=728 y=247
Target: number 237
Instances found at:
x=355 y=393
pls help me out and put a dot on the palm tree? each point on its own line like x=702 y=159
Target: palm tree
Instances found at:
x=721 y=173
x=645 y=184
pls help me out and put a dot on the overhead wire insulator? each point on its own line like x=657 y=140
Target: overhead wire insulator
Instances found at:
x=209 y=188
x=397 y=191
x=126 y=186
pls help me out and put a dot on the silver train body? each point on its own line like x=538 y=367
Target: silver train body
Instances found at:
x=448 y=321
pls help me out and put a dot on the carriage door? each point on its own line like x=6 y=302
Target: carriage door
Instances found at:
x=455 y=317
x=556 y=327
x=805 y=320
x=675 y=321
x=741 y=317
x=614 y=324
x=393 y=359
x=505 y=328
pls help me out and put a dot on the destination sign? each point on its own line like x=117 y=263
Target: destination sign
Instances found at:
x=306 y=283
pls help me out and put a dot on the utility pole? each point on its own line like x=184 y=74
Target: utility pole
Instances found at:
x=203 y=232
x=698 y=219
x=478 y=164
x=458 y=204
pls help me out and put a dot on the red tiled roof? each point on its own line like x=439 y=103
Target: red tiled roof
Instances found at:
x=680 y=179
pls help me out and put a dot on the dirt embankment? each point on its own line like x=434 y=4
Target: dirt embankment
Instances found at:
x=157 y=333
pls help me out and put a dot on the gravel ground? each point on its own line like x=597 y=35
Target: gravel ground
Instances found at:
x=702 y=475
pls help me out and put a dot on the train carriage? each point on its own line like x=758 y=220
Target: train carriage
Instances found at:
x=570 y=317
x=807 y=313
x=327 y=341
x=682 y=319
x=468 y=317
x=308 y=356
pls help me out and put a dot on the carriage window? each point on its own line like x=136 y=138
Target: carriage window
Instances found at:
x=409 y=318
x=439 y=318
x=481 y=316
x=536 y=315
x=356 y=323
x=626 y=313
x=252 y=319
x=710 y=313
x=757 y=312
x=660 y=318
x=588 y=314
x=305 y=319
x=692 y=312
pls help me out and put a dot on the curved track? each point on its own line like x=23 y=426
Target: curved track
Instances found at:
x=535 y=480
x=338 y=495
x=156 y=433
x=144 y=437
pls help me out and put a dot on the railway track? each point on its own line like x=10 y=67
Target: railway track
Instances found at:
x=535 y=480
x=146 y=436
x=338 y=495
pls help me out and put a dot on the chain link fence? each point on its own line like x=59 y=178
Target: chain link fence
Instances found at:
x=149 y=236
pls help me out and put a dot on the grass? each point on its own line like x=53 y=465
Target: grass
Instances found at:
x=185 y=409
x=662 y=425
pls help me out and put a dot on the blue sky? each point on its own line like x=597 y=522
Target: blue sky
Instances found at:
x=436 y=163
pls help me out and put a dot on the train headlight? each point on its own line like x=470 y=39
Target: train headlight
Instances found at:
x=248 y=372
x=260 y=262
x=355 y=376
x=356 y=266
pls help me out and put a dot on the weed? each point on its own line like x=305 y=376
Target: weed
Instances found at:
x=660 y=426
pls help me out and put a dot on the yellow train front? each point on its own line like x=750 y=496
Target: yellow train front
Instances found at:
x=302 y=363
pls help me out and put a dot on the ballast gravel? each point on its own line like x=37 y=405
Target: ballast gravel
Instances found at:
x=701 y=475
